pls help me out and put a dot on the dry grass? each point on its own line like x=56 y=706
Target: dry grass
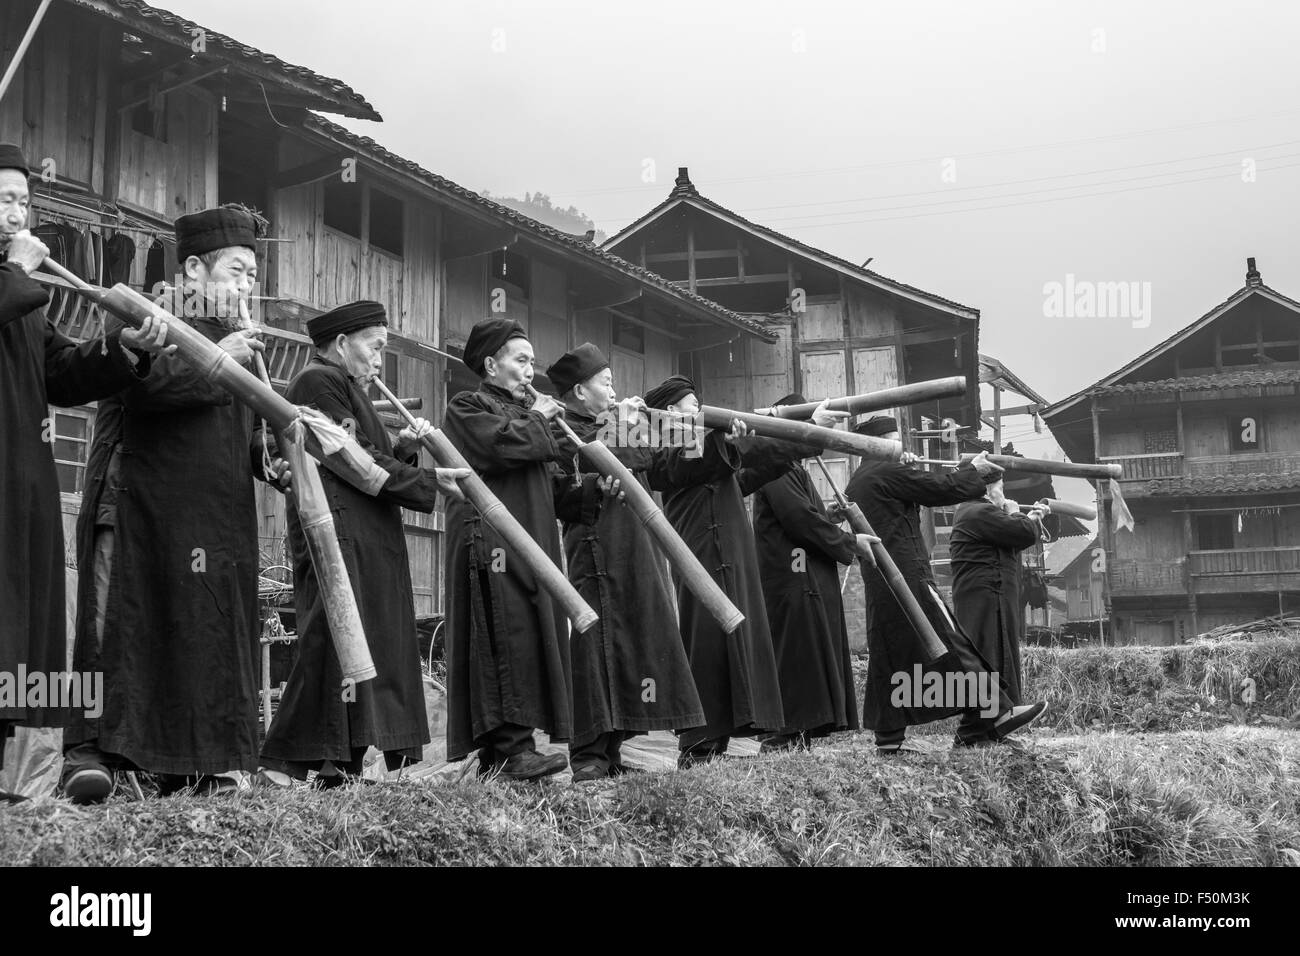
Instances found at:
x=1226 y=796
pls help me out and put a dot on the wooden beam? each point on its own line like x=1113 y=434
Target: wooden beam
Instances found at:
x=690 y=256
x=764 y=279
x=626 y=317
x=478 y=245
x=181 y=82
x=699 y=254
x=623 y=296
x=314 y=171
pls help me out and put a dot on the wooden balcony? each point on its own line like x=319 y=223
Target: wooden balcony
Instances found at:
x=1243 y=570
x=1132 y=578
x=1174 y=473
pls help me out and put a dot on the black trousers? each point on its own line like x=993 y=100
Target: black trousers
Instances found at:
x=501 y=743
x=603 y=752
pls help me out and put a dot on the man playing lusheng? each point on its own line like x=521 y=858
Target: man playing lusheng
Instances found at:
x=890 y=495
x=630 y=672
x=39 y=367
x=987 y=538
x=704 y=499
x=167 y=540
x=316 y=728
x=507 y=643
x=800 y=550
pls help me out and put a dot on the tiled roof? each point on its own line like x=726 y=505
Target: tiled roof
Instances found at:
x=1232 y=300
x=1222 y=484
x=1246 y=378
x=688 y=193
x=570 y=242
x=336 y=96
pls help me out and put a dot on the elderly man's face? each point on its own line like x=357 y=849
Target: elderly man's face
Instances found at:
x=14 y=199
x=512 y=367
x=229 y=280
x=596 y=394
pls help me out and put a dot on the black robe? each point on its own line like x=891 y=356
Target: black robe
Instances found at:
x=985 y=545
x=619 y=571
x=890 y=494
x=704 y=499
x=39 y=367
x=314 y=723
x=799 y=553
x=180 y=647
x=507 y=638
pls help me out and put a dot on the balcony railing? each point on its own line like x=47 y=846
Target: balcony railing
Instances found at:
x=1146 y=467
x=79 y=318
x=1243 y=570
x=1133 y=577
x=1254 y=464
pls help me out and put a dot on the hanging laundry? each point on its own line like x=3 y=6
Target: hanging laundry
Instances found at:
x=119 y=256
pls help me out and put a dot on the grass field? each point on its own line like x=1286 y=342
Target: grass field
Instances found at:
x=1149 y=757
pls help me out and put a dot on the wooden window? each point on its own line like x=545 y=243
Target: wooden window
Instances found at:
x=386 y=222
x=1246 y=432
x=1214 y=532
x=1159 y=440
x=71 y=446
x=150 y=118
x=343 y=206
x=629 y=335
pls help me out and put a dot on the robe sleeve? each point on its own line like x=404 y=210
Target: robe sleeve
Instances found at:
x=19 y=293
x=806 y=524
x=922 y=488
x=764 y=459
x=672 y=469
x=576 y=503
x=494 y=443
x=408 y=485
x=992 y=525
x=76 y=374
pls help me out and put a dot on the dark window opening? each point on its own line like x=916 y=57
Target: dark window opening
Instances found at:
x=343 y=207
x=1244 y=355
x=386 y=222
x=629 y=335
x=1214 y=532
x=1282 y=353
x=1246 y=432
x=512 y=268
x=150 y=121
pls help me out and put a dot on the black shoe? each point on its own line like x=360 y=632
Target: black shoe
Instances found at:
x=586 y=773
x=87 y=784
x=622 y=769
x=1017 y=717
x=7 y=797
x=530 y=765
x=693 y=758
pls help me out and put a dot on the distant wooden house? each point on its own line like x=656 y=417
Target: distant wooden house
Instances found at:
x=1080 y=581
x=1207 y=428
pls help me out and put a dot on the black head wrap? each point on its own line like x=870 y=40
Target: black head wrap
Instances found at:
x=486 y=338
x=670 y=391
x=346 y=318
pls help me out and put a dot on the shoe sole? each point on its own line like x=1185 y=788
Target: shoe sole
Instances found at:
x=88 y=786
x=536 y=775
x=1014 y=724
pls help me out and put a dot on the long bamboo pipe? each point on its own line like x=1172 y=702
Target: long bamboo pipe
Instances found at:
x=688 y=566
x=347 y=458
x=930 y=643
x=913 y=394
x=865 y=446
x=23 y=44
x=1038 y=466
x=497 y=518
x=347 y=632
x=1067 y=509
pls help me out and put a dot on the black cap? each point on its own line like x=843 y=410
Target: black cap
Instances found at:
x=486 y=338
x=877 y=426
x=213 y=229
x=346 y=318
x=574 y=368
x=12 y=157
x=669 y=391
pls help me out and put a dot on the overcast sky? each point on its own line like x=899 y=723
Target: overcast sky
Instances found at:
x=942 y=139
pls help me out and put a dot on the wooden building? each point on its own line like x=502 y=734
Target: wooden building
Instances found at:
x=141 y=126
x=1207 y=428
x=840 y=328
